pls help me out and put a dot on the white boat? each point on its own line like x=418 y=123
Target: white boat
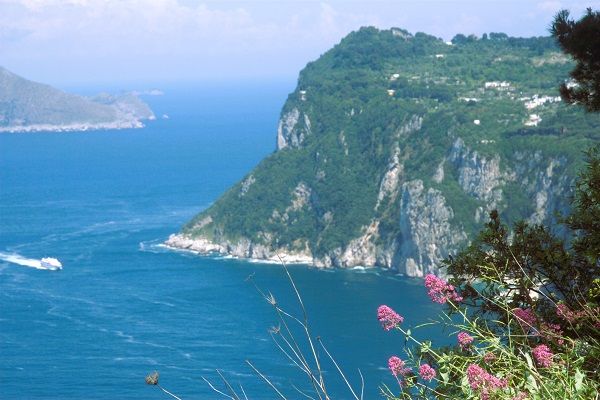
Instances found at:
x=50 y=263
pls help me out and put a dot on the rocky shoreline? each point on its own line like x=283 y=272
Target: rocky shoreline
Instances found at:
x=243 y=249
x=246 y=250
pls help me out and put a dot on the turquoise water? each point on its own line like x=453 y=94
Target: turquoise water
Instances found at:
x=123 y=306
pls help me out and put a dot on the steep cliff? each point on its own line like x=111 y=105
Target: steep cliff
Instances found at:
x=393 y=149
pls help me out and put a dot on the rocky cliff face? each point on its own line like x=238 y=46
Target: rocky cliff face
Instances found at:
x=426 y=234
x=547 y=183
x=292 y=129
x=427 y=230
x=478 y=176
x=387 y=156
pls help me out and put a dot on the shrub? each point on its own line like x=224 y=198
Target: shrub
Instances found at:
x=520 y=356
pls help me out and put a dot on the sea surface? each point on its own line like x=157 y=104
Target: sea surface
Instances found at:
x=124 y=306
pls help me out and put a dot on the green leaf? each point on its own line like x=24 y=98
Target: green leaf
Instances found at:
x=531 y=384
x=464 y=384
x=445 y=377
x=529 y=361
x=579 y=380
x=426 y=324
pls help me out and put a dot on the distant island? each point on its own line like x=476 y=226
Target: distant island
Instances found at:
x=27 y=106
x=393 y=149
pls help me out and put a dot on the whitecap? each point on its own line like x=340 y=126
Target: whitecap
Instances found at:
x=163 y=303
x=153 y=246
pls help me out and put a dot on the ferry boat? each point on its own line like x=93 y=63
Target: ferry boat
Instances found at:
x=50 y=263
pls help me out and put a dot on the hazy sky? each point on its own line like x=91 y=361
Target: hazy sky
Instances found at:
x=66 y=42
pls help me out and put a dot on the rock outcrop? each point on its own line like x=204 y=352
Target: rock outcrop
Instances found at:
x=293 y=128
x=426 y=230
x=478 y=176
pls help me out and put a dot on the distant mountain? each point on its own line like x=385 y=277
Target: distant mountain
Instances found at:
x=394 y=147
x=27 y=106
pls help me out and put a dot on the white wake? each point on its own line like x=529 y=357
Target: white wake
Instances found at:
x=25 y=262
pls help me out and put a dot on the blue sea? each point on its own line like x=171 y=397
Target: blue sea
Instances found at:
x=102 y=202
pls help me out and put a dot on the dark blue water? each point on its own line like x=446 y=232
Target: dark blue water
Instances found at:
x=123 y=306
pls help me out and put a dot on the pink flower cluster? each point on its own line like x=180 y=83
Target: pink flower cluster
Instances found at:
x=529 y=323
x=398 y=367
x=480 y=379
x=426 y=372
x=520 y=396
x=525 y=317
x=388 y=318
x=464 y=340
x=564 y=312
x=440 y=291
x=542 y=355
x=552 y=332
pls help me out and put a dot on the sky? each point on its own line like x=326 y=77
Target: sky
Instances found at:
x=70 y=42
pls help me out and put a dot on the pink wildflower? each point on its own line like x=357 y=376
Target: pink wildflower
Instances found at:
x=388 y=318
x=552 y=332
x=520 y=396
x=542 y=355
x=480 y=379
x=564 y=312
x=525 y=317
x=426 y=372
x=440 y=291
x=464 y=340
x=397 y=366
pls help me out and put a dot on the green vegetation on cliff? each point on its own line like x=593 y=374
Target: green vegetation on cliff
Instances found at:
x=394 y=147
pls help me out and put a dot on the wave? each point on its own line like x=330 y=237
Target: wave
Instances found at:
x=155 y=246
x=24 y=261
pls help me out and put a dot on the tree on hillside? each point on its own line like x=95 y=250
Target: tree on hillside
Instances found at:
x=585 y=218
x=581 y=40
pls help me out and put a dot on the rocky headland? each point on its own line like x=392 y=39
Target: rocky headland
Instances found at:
x=27 y=106
x=393 y=149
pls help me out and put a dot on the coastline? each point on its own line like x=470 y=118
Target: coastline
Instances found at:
x=241 y=250
x=75 y=127
x=256 y=253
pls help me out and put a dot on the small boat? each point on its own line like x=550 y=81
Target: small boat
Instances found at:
x=50 y=263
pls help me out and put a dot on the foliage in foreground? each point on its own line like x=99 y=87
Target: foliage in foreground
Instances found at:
x=581 y=39
x=530 y=359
